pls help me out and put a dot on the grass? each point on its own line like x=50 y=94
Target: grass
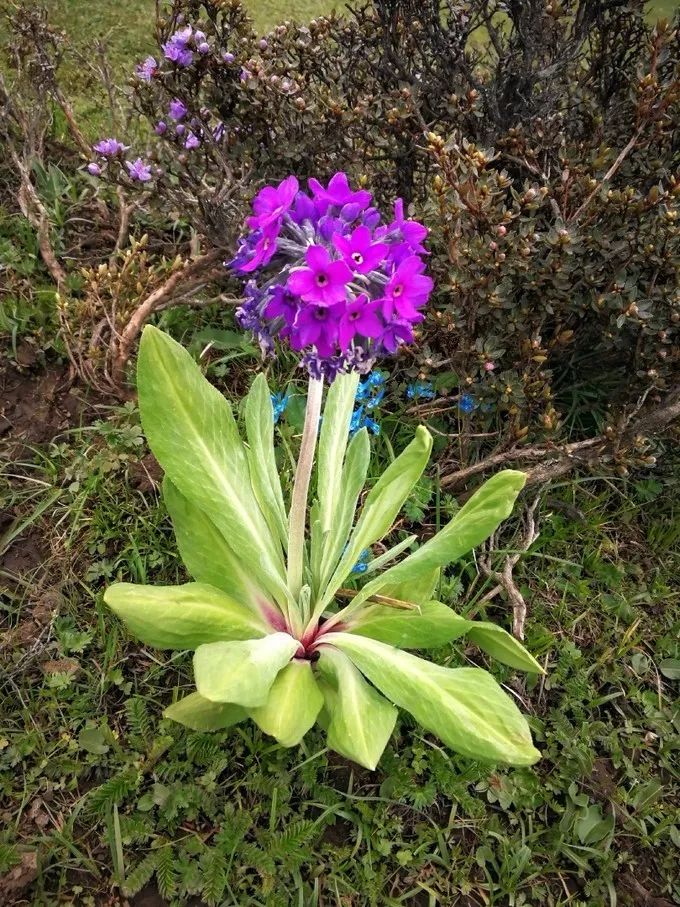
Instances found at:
x=109 y=794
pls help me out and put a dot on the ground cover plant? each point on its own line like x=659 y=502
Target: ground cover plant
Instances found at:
x=103 y=798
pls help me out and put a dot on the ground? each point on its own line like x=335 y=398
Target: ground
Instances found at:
x=98 y=790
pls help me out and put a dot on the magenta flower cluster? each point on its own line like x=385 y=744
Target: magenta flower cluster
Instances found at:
x=337 y=284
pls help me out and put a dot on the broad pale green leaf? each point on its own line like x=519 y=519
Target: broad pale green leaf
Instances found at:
x=383 y=503
x=502 y=646
x=359 y=720
x=191 y=429
x=464 y=707
x=292 y=706
x=201 y=714
x=206 y=553
x=333 y=437
x=419 y=589
x=242 y=672
x=264 y=474
x=354 y=474
x=474 y=522
x=182 y=617
x=432 y=624
x=435 y=624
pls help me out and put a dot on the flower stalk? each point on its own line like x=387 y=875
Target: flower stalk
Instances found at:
x=303 y=474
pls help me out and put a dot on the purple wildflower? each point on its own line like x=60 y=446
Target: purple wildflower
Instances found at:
x=203 y=48
x=147 y=69
x=262 y=250
x=342 y=289
x=271 y=203
x=338 y=192
x=323 y=280
x=316 y=325
x=176 y=49
x=110 y=147
x=139 y=170
x=358 y=317
x=177 y=110
x=192 y=141
x=160 y=128
x=228 y=57
x=359 y=250
x=407 y=290
x=94 y=169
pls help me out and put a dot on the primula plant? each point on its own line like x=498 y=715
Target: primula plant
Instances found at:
x=292 y=621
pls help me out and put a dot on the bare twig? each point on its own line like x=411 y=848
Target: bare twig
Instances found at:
x=504 y=577
x=178 y=283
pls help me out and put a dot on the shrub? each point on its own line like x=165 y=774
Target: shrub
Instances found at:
x=537 y=143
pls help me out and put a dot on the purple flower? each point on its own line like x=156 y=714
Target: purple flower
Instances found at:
x=177 y=110
x=407 y=290
x=178 y=53
x=396 y=333
x=316 y=325
x=323 y=281
x=342 y=289
x=160 y=128
x=245 y=74
x=262 y=251
x=338 y=192
x=110 y=147
x=176 y=49
x=282 y=304
x=228 y=57
x=359 y=318
x=203 y=48
x=271 y=203
x=94 y=169
x=139 y=170
x=359 y=250
x=146 y=70
x=192 y=141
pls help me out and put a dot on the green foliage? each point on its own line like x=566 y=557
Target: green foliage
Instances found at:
x=258 y=654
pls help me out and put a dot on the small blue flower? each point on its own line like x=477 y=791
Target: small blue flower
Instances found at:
x=361 y=565
x=372 y=390
x=361 y=419
x=467 y=404
x=279 y=403
x=421 y=390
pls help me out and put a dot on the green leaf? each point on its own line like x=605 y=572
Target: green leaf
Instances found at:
x=264 y=474
x=242 y=672
x=383 y=503
x=502 y=646
x=360 y=721
x=464 y=707
x=333 y=438
x=432 y=624
x=292 y=706
x=354 y=474
x=191 y=429
x=206 y=553
x=182 y=617
x=474 y=522
x=670 y=668
x=93 y=740
x=201 y=714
